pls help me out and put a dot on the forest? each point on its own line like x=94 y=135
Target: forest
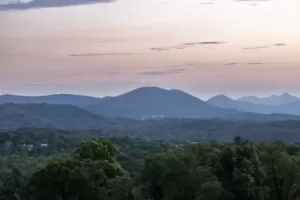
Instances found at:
x=47 y=164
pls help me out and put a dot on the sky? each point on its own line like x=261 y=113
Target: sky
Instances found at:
x=204 y=47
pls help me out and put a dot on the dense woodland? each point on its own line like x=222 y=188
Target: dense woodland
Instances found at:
x=67 y=117
x=50 y=164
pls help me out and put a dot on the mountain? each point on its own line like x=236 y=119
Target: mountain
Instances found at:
x=152 y=101
x=47 y=116
x=68 y=99
x=148 y=102
x=290 y=108
x=223 y=101
x=141 y=103
x=273 y=100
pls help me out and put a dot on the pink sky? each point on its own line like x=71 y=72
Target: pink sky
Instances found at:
x=230 y=48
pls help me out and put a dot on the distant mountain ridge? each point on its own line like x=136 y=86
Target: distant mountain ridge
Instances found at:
x=67 y=99
x=223 y=101
x=149 y=102
x=14 y=116
x=273 y=100
x=153 y=101
x=68 y=117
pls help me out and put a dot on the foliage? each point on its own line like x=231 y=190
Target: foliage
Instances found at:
x=51 y=164
x=89 y=174
x=240 y=172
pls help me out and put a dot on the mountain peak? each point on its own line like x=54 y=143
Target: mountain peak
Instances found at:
x=222 y=101
x=286 y=94
x=154 y=101
x=220 y=97
x=71 y=99
x=273 y=100
x=148 y=89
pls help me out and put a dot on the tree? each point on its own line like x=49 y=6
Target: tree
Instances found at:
x=282 y=170
x=211 y=190
x=90 y=174
x=8 y=194
x=96 y=150
x=175 y=175
x=241 y=173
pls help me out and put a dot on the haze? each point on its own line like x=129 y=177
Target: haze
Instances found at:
x=202 y=47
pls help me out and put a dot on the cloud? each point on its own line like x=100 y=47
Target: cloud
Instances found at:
x=264 y=46
x=254 y=63
x=231 y=63
x=187 y=44
x=163 y=72
x=177 y=70
x=181 y=46
x=190 y=44
x=190 y=64
x=99 y=54
x=115 y=73
x=256 y=47
x=212 y=42
x=279 y=44
x=35 y=4
x=159 y=49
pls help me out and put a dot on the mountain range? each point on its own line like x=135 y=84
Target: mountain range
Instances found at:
x=152 y=101
x=149 y=102
x=273 y=100
x=68 y=99
x=289 y=107
x=48 y=116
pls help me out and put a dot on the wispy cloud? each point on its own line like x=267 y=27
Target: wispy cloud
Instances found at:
x=212 y=42
x=49 y=3
x=231 y=63
x=149 y=67
x=190 y=64
x=159 y=49
x=254 y=63
x=163 y=72
x=190 y=44
x=264 y=46
x=115 y=73
x=256 y=47
x=99 y=54
x=279 y=44
x=187 y=44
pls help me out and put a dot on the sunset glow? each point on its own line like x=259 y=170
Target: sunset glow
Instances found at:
x=204 y=47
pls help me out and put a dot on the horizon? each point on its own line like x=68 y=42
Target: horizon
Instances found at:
x=202 y=47
x=168 y=89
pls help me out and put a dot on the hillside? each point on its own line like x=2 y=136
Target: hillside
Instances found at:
x=291 y=108
x=223 y=101
x=273 y=100
x=151 y=101
x=69 y=99
x=26 y=116
x=44 y=115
